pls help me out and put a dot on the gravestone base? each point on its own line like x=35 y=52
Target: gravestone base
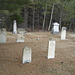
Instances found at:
x=14 y=32
x=20 y=40
x=54 y=32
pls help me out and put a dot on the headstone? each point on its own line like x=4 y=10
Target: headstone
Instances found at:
x=55 y=29
x=2 y=35
x=21 y=30
x=26 y=55
x=20 y=38
x=14 y=27
x=63 y=33
x=51 y=49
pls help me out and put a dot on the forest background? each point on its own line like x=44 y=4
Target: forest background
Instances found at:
x=35 y=15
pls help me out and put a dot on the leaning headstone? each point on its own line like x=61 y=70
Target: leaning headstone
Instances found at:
x=20 y=38
x=14 y=27
x=26 y=55
x=63 y=33
x=21 y=30
x=2 y=35
x=55 y=29
x=51 y=49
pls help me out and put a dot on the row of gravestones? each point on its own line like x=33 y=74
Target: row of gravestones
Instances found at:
x=20 y=35
x=21 y=32
x=27 y=52
x=51 y=49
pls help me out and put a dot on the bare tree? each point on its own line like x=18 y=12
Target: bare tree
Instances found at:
x=60 y=16
x=25 y=17
x=33 y=13
x=44 y=14
x=33 y=18
x=51 y=17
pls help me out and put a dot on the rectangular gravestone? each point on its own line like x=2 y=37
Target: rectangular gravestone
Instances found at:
x=26 y=55
x=20 y=37
x=2 y=35
x=63 y=33
x=55 y=29
x=21 y=30
x=51 y=49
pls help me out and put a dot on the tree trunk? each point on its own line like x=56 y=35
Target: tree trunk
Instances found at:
x=51 y=17
x=70 y=26
x=33 y=18
x=44 y=20
x=38 y=19
x=73 y=25
x=60 y=17
x=25 y=17
x=44 y=15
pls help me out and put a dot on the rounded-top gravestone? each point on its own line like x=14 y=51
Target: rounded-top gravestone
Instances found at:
x=26 y=55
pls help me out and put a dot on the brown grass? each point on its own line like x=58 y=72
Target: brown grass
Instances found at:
x=62 y=64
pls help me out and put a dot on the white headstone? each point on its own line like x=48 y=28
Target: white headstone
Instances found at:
x=3 y=35
x=26 y=55
x=20 y=38
x=63 y=33
x=14 y=27
x=51 y=49
x=55 y=29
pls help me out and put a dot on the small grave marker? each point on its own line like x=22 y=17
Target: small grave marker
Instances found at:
x=21 y=30
x=20 y=38
x=63 y=33
x=2 y=35
x=26 y=55
x=51 y=49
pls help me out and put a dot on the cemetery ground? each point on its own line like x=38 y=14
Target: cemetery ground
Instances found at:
x=62 y=64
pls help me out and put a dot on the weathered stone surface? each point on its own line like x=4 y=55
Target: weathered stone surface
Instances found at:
x=55 y=29
x=21 y=31
x=26 y=55
x=63 y=33
x=51 y=49
x=3 y=35
x=20 y=38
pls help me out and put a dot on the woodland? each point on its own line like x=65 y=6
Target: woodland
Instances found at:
x=35 y=15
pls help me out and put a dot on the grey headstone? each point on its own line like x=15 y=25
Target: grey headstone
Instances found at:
x=26 y=55
x=20 y=38
x=21 y=30
x=63 y=33
x=3 y=35
x=51 y=49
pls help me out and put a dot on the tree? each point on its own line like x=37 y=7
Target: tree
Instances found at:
x=38 y=14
